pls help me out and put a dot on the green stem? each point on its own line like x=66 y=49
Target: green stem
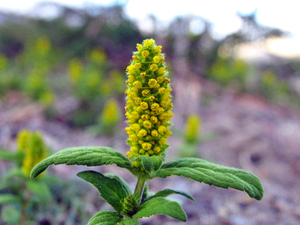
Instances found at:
x=140 y=187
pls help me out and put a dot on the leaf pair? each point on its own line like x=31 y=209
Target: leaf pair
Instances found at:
x=193 y=168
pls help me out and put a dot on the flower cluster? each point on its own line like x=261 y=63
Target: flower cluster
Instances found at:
x=33 y=149
x=148 y=106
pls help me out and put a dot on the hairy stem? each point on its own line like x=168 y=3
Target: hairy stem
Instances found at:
x=140 y=187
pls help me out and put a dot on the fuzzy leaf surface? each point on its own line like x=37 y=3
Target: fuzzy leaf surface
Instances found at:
x=161 y=206
x=167 y=192
x=213 y=174
x=151 y=164
x=129 y=222
x=111 y=189
x=121 y=181
x=105 y=218
x=86 y=156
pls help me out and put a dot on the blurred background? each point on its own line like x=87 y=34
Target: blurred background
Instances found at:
x=235 y=75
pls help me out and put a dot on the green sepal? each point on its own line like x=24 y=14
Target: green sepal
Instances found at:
x=129 y=222
x=111 y=189
x=40 y=190
x=151 y=164
x=213 y=174
x=105 y=218
x=7 y=155
x=86 y=156
x=161 y=206
x=167 y=192
x=9 y=198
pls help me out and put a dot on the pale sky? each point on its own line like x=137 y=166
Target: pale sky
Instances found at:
x=222 y=14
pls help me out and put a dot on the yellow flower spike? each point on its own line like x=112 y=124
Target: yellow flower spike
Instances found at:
x=148 y=101
x=145 y=53
x=153 y=67
x=33 y=148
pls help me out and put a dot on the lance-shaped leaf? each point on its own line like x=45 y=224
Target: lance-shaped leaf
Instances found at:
x=129 y=222
x=105 y=218
x=167 y=192
x=86 y=156
x=161 y=206
x=212 y=174
x=151 y=164
x=121 y=181
x=111 y=189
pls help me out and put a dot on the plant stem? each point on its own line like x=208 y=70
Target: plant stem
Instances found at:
x=140 y=187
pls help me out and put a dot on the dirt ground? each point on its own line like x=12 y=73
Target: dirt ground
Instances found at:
x=244 y=132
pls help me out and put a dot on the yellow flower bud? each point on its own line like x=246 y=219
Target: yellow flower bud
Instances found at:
x=137 y=84
x=146 y=146
x=138 y=65
x=145 y=92
x=162 y=129
x=139 y=47
x=161 y=70
x=153 y=67
x=145 y=53
x=152 y=83
x=144 y=105
x=147 y=124
x=134 y=149
x=133 y=137
x=142 y=133
x=154 y=133
x=154 y=106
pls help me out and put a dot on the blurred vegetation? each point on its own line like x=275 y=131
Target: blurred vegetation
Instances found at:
x=83 y=53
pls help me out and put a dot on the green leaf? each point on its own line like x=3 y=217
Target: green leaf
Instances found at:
x=87 y=156
x=40 y=190
x=161 y=206
x=129 y=222
x=213 y=174
x=8 y=198
x=105 y=218
x=111 y=189
x=167 y=192
x=151 y=164
x=121 y=180
x=7 y=155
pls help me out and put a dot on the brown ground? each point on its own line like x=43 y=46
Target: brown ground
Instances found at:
x=245 y=132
